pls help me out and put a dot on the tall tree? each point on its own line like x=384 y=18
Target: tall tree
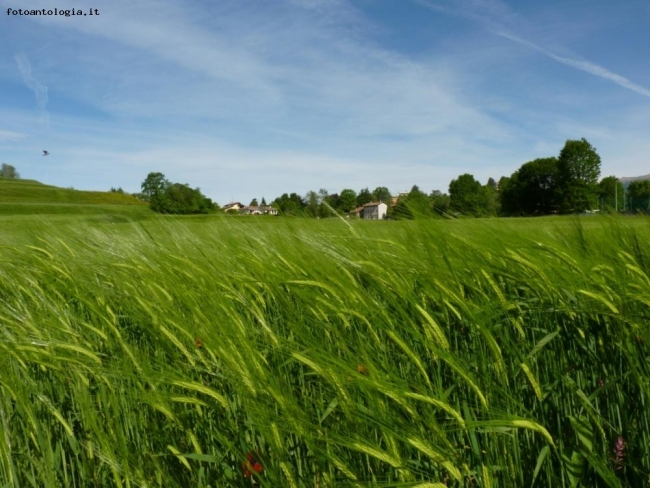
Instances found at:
x=253 y=203
x=311 y=199
x=8 y=171
x=263 y=202
x=347 y=200
x=364 y=197
x=467 y=195
x=154 y=185
x=639 y=195
x=578 y=173
x=382 y=194
x=532 y=189
x=611 y=193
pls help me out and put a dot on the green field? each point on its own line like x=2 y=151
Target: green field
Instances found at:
x=166 y=351
x=29 y=197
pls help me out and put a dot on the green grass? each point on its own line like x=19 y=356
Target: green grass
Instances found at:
x=464 y=353
x=31 y=197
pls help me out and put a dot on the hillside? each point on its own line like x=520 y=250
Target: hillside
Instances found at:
x=33 y=197
x=626 y=180
x=31 y=191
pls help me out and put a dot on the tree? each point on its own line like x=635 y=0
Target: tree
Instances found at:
x=415 y=204
x=578 y=173
x=263 y=202
x=174 y=198
x=467 y=195
x=311 y=199
x=509 y=195
x=532 y=189
x=639 y=195
x=492 y=184
x=382 y=194
x=291 y=204
x=609 y=191
x=253 y=203
x=347 y=200
x=439 y=202
x=9 y=172
x=364 y=197
x=154 y=185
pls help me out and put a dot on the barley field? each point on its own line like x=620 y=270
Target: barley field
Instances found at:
x=215 y=351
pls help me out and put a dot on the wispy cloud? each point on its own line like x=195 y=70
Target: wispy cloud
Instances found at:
x=581 y=64
x=40 y=90
x=498 y=18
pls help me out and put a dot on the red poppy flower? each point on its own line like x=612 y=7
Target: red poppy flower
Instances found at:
x=251 y=466
x=198 y=343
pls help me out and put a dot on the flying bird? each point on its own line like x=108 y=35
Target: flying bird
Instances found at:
x=46 y=153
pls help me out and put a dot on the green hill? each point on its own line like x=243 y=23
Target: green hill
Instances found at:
x=32 y=197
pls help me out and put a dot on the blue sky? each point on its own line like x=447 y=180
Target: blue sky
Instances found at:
x=252 y=98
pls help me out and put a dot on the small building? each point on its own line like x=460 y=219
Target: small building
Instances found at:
x=233 y=206
x=268 y=210
x=258 y=210
x=375 y=211
x=357 y=212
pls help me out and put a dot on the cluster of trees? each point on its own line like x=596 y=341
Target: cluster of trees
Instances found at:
x=8 y=171
x=173 y=198
x=564 y=184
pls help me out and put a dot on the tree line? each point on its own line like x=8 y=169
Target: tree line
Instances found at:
x=568 y=183
x=563 y=184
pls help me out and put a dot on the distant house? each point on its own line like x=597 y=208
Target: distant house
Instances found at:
x=234 y=206
x=258 y=210
x=357 y=212
x=375 y=211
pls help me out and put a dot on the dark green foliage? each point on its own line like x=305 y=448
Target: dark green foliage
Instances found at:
x=347 y=201
x=364 y=197
x=639 y=196
x=468 y=196
x=381 y=194
x=174 y=198
x=532 y=189
x=291 y=204
x=609 y=190
x=578 y=173
x=440 y=202
x=312 y=204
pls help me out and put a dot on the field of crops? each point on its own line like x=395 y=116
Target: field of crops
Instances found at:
x=216 y=351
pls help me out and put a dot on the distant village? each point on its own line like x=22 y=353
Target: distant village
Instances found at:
x=371 y=211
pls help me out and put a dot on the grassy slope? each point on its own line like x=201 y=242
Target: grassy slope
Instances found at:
x=32 y=197
x=490 y=352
